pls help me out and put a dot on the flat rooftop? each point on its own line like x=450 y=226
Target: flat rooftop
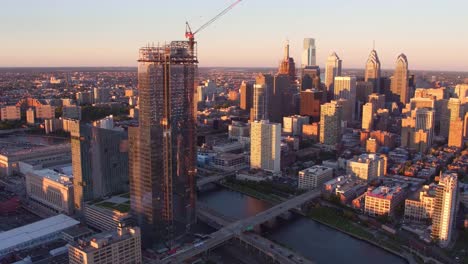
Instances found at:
x=15 y=237
x=119 y=203
x=316 y=169
x=386 y=191
x=18 y=148
x=54 y=176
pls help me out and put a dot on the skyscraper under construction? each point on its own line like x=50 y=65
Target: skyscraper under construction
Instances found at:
x=162 y=150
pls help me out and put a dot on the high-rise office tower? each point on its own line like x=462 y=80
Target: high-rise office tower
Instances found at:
x=451 y=111
x=310 y=104
x=309 y=57
x=425 y=120
x=367 y=116
x=261 y=89
x=465 y=127
x=332 y=69
x=280 y=102
x=287 y=65
x=265 y=145
x=162 y=156
x=330 y=123
x=400 y=81
x=377 y=100
x=246 y=94
x=461 y=90
x=345 y=88
x=455 y=138
x=99 y=162
x=372 y=73
x=310 y=78
x=443 y=218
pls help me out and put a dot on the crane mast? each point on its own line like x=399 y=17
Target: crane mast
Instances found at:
x=191 y=35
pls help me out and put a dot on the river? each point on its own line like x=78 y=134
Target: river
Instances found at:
x=313 y=240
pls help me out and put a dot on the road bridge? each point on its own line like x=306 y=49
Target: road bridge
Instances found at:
x=236 y=230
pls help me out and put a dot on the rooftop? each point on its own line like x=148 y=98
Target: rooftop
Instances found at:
x=316 y=169
x=54 y=176
x=9 y=240
x=387 y=191
x=103 y=239
x=120 y=203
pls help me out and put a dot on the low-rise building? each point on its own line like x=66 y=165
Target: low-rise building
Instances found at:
x=229 y=162
x=420 y=207
x=314 y=177
x=383 y=200
x=108 y=214
x=49 y=192
x=117 y=247
x=10 y=113
x=35 y=234
x=367 y=166
x=346 y=187
x=12 y=153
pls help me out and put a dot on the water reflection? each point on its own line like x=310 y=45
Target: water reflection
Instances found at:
x=311 y=239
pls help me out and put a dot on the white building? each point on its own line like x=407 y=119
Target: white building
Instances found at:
x=332 y=69
x=35 y=234
x=207 y=91
x=443 y=219
x=345 y=88
x=30 y=116
x=49 y=191
x=367 y=166
x=265 y=145
x=309 y=56
x=314 y=177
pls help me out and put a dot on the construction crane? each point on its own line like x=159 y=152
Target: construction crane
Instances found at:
x=191 y=35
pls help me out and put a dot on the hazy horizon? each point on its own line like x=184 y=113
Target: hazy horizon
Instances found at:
x=108 y=33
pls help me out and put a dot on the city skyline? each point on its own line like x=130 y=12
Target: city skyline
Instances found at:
x=106 y=35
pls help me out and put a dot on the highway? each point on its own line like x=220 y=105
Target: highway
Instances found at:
x=236 y=229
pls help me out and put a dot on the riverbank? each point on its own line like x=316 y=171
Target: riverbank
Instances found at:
x=269 y=198
x=327 y=217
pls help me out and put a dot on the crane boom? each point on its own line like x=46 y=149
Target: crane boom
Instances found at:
x=217 y=16
x=191 y=35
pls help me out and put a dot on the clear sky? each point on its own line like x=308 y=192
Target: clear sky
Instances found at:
x=432 y=33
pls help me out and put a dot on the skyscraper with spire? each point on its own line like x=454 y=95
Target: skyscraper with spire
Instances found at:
x=372 y=73
x=400 y=80
x=162 y=149
x=287 y=65
x=332 y=69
